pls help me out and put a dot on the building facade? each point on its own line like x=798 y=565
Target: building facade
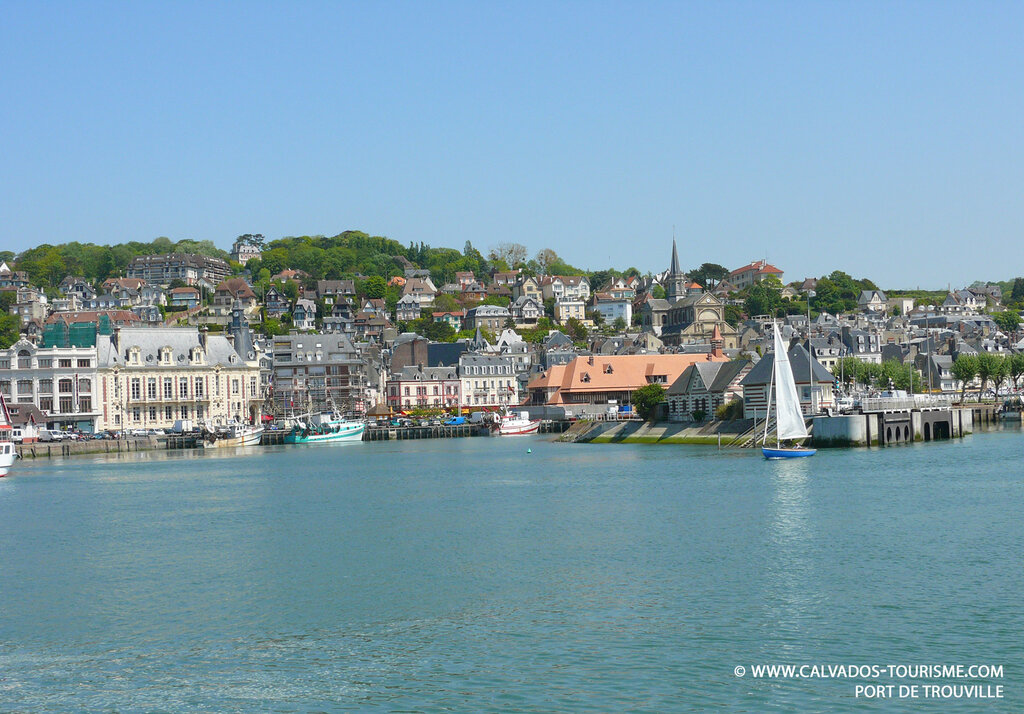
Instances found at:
x=151 y=377
x=59 y=381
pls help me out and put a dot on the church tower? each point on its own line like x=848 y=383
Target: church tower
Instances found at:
x=675 y=281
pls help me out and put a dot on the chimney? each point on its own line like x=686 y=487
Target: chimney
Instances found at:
x=202 y=336
x=717 y=344
x=590 y=360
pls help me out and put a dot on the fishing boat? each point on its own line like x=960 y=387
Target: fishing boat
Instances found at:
x=789 y=420
x=231 y=435
x=7 y=452
x=516 y=425
x=324 y=427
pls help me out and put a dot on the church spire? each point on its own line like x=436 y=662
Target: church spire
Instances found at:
x=674 y=268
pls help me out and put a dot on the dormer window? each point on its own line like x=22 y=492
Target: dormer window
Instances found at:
x=165 y=355
x=134 y=356
x=198 y=357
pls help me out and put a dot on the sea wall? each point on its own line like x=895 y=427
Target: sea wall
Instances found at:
x=638 y=432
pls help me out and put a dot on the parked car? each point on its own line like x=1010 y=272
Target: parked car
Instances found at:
x=455 y=421
x=51 y=435
x=139 y=432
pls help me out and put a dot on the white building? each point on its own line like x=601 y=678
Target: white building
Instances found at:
x=59 y=381
x=488 y=381
x=150 y=377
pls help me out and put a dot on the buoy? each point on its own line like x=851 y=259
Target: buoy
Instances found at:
x=529 y=451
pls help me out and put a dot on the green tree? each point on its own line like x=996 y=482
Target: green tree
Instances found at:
x=375 y=287
x=646 y=399
x=658 y=292
x=10 y=328
x=762 y=300
x=1017 y=292
x=575 y=329
x=989 y=368
x=619 y=324
x=709 y=275
x=964 y=369
x=1015 y=368
x=733 y=314
x=1008 y=320
x=444 y=302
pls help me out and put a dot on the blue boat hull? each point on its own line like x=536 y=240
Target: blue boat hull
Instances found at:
x=786 y=453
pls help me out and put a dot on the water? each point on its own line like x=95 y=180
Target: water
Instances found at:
x=470 y=575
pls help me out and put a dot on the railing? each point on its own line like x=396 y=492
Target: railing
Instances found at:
x=917 y=401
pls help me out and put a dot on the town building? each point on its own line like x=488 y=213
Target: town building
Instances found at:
x=244 y=249
x=589 y=384
x=232 y=292
x=526 y=311
x=752 y=273
x=569 y=308
x=59 y=381
x=151 y=377
x=418 y=387
x=314 y=372
x=705 y=386
x=527 y=286
x=488 y=381
x=186 y=297
x=188 y=267
x=565 y=287
x=304 y=315
x=488 y=317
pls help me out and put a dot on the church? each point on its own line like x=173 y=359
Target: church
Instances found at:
x=686 y=316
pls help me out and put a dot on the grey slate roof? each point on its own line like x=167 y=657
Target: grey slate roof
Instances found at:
x=798 y=358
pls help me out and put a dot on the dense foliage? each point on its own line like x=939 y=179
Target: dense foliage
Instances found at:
x=647 y=398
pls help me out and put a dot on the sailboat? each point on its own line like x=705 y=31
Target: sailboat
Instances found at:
x=789 y=420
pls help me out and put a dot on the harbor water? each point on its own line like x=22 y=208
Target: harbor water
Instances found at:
x=506 y=574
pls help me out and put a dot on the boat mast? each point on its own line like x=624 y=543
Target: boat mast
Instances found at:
x=768 y=403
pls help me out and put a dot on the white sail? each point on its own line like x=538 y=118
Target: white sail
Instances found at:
x=788 y=417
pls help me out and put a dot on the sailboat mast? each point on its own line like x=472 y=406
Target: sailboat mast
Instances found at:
x=768 y=403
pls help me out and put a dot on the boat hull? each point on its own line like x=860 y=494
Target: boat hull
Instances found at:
x=7 y=457
x=772 y=454
x=250 y=439
x=347 y=433
x=518 y=429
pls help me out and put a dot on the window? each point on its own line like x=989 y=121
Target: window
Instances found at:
x=184 y=412
x=117 y=420
x=168 y=413
x=183 y=388
x=46 y=404
x=65 y=386
x=168 y=389
x=45 y=362
x=136 y=414
x=67 y=405
x=5 y=387
x=199 y=387
x=235 y=388
x=83 y=364
x=152 y=413
x=199 y=412
x=136 y=392
x=151 y=389
x=252 y=387
x=24 y=386
x=216 y=385
x=84 y=385
x=66 y=363
x=5 y=364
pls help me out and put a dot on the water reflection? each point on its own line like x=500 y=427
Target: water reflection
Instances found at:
x=790 y=591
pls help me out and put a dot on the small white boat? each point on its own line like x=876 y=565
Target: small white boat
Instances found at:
x=518 y=424
x=232 y=435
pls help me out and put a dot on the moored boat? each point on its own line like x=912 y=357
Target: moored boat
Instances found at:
x=325 y=428
x=518 y=425
x=7 y=452
x=232 y=435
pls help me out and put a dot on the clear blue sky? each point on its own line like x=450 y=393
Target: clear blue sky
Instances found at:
x=884 y=139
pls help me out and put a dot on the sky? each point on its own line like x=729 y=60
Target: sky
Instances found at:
x=883 y=139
